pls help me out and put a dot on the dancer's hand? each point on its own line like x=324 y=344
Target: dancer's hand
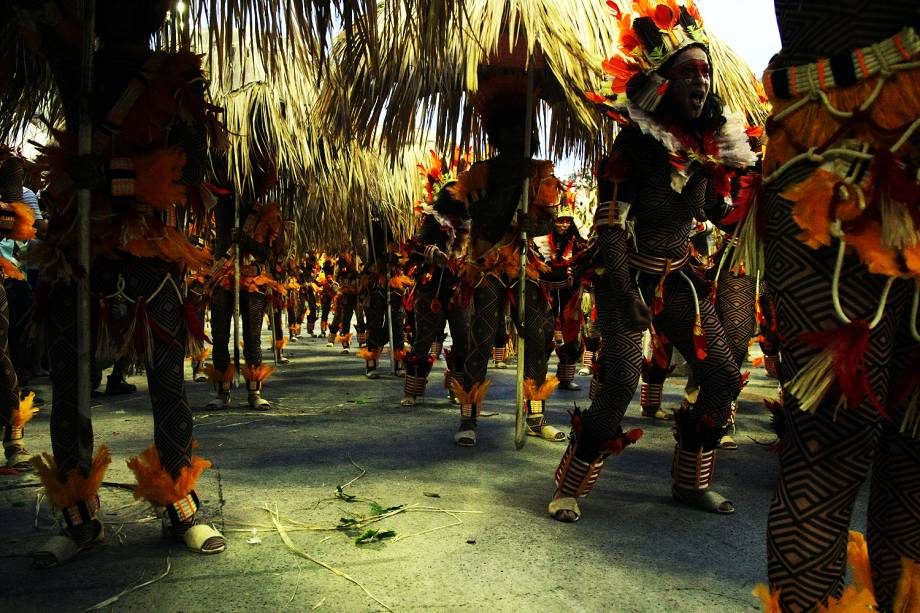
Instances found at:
x=639 y=316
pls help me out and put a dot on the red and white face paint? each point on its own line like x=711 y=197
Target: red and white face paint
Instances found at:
x=691 y=80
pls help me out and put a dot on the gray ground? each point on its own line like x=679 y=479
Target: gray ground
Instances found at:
x=633 y=550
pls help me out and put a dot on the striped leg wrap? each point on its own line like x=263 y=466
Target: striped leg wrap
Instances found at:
x=81 y=513
x=650 y=395
x=436 y=348
x=450 y=376
x=415 y=386
x=535 y=407
x=558 y=339
x=14 y=434
x=183 y=510
x=253 y=386
x=693 y=470
x=588 y=359
x=771 y=365
x=565 y=372
x=469 y=411
x=574 y=477
x=499 y=354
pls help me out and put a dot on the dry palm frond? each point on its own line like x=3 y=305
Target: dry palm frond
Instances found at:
x=736 y=84
x=411 y=87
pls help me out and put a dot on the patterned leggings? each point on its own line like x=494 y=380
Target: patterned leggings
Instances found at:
x=71 y=433
x=568 y=353
x=488 y=316
x=9 y=385
x=429 y=325
x=717 y=375
x=252 y=309
x=827 y=455
x=344 y=311
x=377 y=317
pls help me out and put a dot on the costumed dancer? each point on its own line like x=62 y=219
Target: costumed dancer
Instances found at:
x=327 y=290
x=383 y=299
x=491 y=191
x=562 y=283
x=308 y=295
x=346 y=300
x=16 y=223
x=260 y=229
x=842 y=210
x=675 y=148
x=150 y=128
x=439 y=247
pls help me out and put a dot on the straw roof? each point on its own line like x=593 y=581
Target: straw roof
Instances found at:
x=403 y=82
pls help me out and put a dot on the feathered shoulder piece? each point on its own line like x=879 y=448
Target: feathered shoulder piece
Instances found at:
x=470 y=183
x=438 y=172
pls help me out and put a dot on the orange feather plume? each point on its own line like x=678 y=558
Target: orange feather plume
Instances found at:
x=156 y=485
x=215 y=376
x=532 y=391
x=258 y=373
x=476 y=395
x=76 y=487
x=23 y=413
x=370 y=356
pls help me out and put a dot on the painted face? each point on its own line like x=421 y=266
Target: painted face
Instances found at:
x=562 y=225
x=691 y=79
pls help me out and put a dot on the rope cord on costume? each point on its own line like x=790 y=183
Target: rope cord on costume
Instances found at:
x=120 y=289
x=817 y=158
x=696 y=298
x=835 y=293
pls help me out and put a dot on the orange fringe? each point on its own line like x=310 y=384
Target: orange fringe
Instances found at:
x=158 y=176
x=215 y=376
x=10 y=271
x=77 y=488
x=201 y=357
x=812 y=125
x=156 y=485
x=811 y=210
x=476 y=395
x=24 y=412
x=542 y=392
x=473 y=180
x=400 y=282
x=343 y=339
x=859 y=596
x=170 y=246
x=258 y=373
x=269 y=225
x=367 y=355
x=400 y=355
x=281 y=343
x=23 y=225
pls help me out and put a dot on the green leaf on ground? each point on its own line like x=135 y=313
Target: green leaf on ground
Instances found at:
x=370 y=535
x=340 y=493
x=431 y=494
x=377 y=509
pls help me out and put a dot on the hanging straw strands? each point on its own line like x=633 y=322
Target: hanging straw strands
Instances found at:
x=415 y=87
x=735 y=83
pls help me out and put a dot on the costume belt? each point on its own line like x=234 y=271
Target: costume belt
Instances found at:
x=843 y=69
x=553 y=285
x=655 y=265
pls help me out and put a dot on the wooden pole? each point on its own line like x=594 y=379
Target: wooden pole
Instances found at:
x=85 y=148
x=520 y=423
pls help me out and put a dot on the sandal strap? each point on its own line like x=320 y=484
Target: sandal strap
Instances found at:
x=183 y=510
x=693 y=469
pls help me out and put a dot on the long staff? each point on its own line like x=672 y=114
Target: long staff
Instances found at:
x=520 y=434
x=236 y=286
x=85 y=147
x=394 y=363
